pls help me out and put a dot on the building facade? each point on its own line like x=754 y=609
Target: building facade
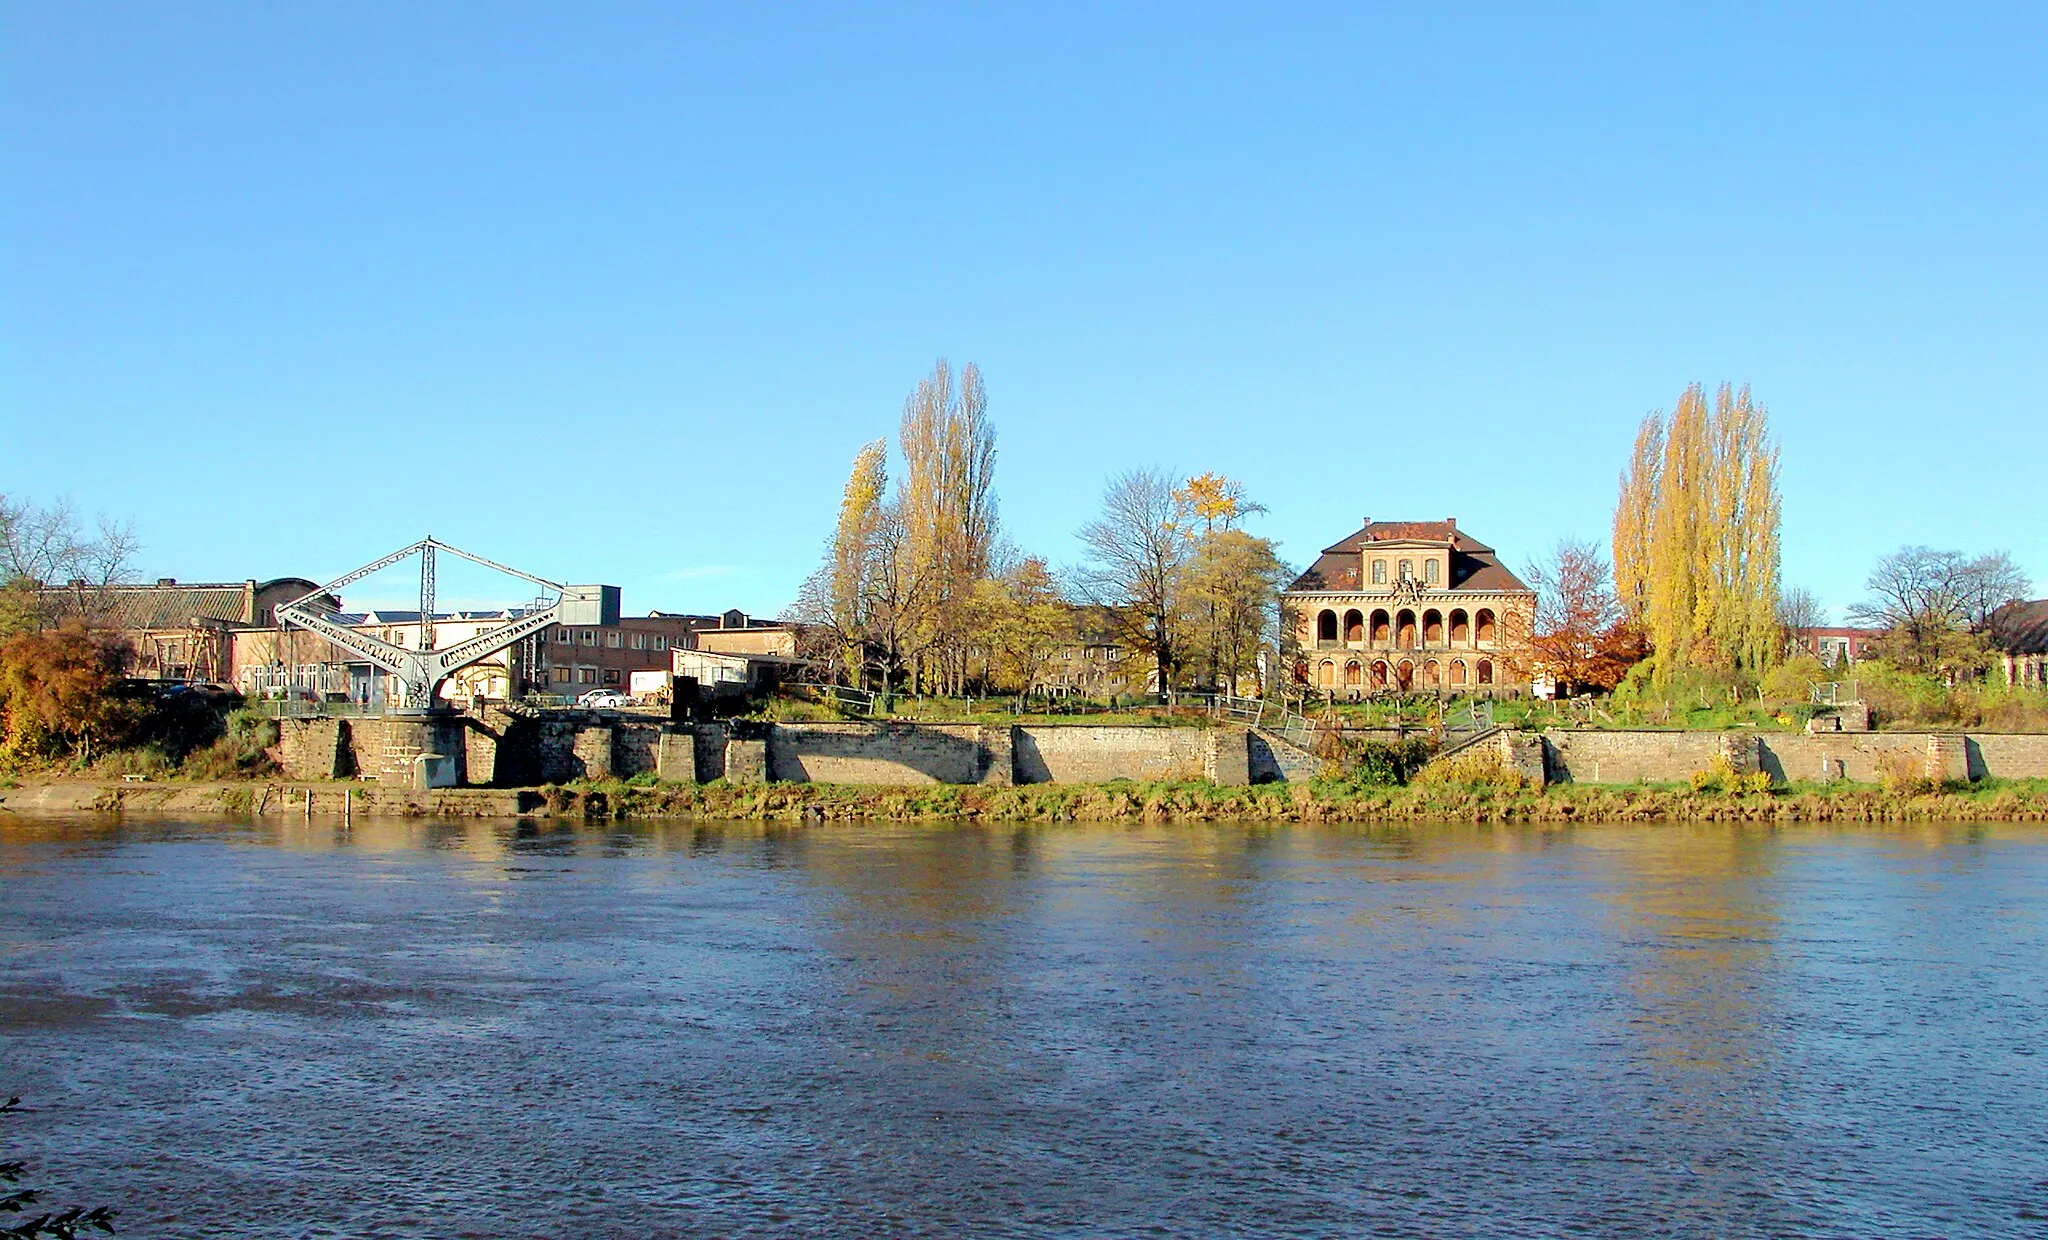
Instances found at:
x=1406 y=607
x=175 y=630
x=2019 y=633
x=1838 y=646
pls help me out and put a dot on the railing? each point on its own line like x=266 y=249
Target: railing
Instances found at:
x=1836 y=693
x=1466 y=728
x=308 y=708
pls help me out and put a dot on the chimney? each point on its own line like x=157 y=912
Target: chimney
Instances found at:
x=1365 y=521
x=167 y=581
x=1451 y=521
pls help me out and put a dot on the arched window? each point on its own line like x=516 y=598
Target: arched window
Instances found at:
x=1483 y=624
x=1354 y=627
x=1351 y=672
x=1404 y=630
x=1432 y=675
x=1486 y=671
x=1458 y=672
x=1326 y=673
x=1326 y=627
x=1430 y=569
x=1432 y=627
x=1379 y=572
x=1379 y=674
x=1382 y=628
x=1461 y=627
x=1404 y=676
x=1407 y=570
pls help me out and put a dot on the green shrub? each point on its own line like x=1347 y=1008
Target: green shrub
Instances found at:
x=1721 y=776
x=1474 y=768
x=1905 y=775
x=242 y=751
x=1383 y=763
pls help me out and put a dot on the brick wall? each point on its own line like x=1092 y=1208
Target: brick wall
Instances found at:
x=1085 y=754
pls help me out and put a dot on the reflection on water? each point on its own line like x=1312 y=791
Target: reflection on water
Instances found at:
x=472 y=1028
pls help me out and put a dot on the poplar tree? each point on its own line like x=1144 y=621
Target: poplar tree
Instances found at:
x=948 y=507
x=1696 y=535
x=853 y=557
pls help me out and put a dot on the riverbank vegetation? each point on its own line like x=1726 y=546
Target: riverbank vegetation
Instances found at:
x=1449 y=798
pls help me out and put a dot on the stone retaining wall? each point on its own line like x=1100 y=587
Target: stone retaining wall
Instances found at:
x=1087 y=754
x=522 y=751
x=1614 y=757
x=877 y=753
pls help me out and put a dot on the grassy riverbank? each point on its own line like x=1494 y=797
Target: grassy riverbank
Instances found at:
x=1321 y=801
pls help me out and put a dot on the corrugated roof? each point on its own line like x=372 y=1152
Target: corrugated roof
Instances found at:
x=154 y=607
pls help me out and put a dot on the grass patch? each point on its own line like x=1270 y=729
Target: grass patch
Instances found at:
x=1484 y=798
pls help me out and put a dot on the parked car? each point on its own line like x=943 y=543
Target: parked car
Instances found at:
x=604 y=698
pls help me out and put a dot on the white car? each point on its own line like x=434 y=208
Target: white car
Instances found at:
x=604 y=697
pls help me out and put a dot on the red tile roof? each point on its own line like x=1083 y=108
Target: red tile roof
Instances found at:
x=1474 y=566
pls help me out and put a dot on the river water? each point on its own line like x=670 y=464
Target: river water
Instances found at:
x=445 y=1030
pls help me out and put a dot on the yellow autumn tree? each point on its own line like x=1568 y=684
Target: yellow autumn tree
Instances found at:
x=1696 y=535
x=948 y=511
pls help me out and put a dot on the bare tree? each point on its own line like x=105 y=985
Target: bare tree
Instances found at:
x=1138 y=551
x=1576 y=612
x=1926 y=599
x=47 y=545
x=1800 y=608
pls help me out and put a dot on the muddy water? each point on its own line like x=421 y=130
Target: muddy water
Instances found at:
x=481 y=1030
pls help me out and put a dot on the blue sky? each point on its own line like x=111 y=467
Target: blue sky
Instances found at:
x=615 y=292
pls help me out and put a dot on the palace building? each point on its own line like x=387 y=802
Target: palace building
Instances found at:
x=1408 y=606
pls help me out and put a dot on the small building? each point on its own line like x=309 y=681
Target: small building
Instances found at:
x=735 y=632
x=1838 y=647
x=1099 y=662
x=177 y=630
x=2019 y=633
x=1408 y=606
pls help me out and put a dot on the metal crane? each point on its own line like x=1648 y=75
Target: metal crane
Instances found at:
x=421 y=671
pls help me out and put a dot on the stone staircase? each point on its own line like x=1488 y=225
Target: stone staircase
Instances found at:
x=1272 y=753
